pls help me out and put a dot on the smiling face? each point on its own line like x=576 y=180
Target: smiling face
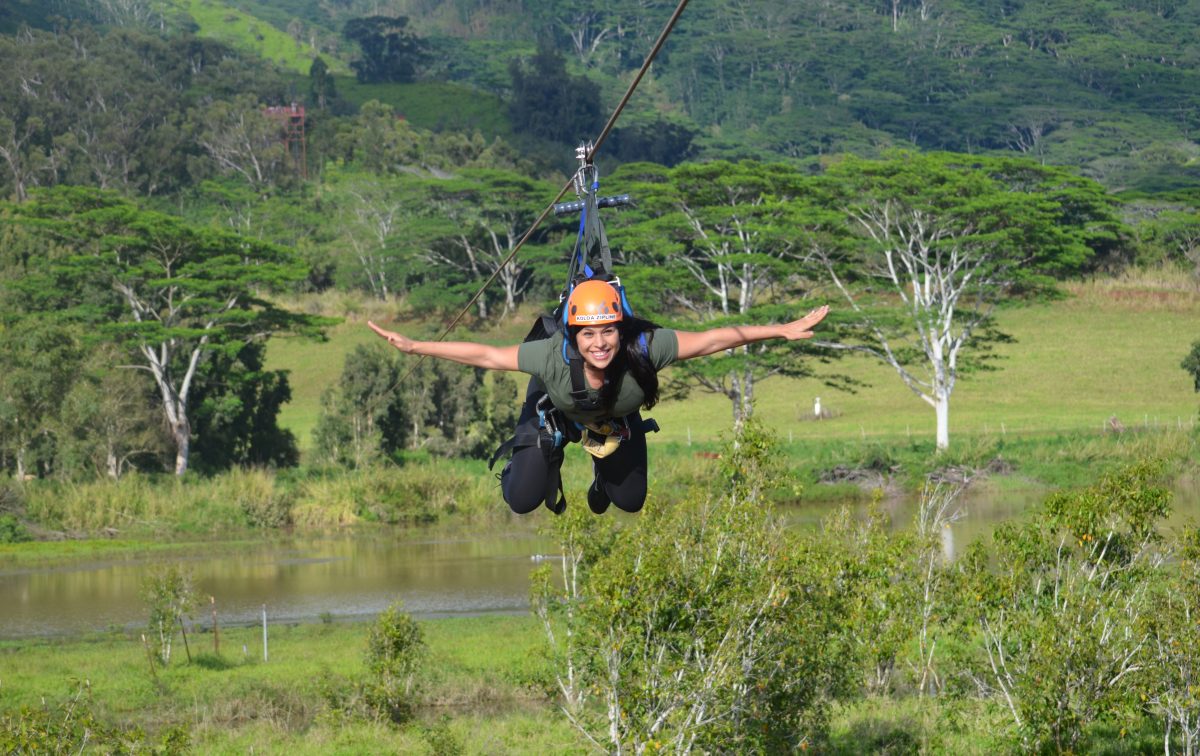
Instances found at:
x=598 y=345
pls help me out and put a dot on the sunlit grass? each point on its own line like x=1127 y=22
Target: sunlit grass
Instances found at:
x=1105 y=351
x=224 y=23
x=487 y=673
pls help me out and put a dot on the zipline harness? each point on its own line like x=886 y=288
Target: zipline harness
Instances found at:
x=546 y=426
x=587 y=160
x=541 y=423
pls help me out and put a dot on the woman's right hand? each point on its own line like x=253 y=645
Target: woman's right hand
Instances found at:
x=400 y=341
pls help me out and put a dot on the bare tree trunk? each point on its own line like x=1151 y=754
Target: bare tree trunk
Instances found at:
x=182 y=436
x=941 y=407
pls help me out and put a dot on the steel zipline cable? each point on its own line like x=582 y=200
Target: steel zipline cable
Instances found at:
x=591 y=153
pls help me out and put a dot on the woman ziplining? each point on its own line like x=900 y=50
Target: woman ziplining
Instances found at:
x=593 y=364
x=616 y=357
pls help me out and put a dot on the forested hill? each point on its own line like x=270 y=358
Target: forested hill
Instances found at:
x=136 y=134
x=1110 y=86
x=1092 y=83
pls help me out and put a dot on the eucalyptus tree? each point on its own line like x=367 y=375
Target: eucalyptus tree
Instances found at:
x=382 y=405
x=481 y=215
x=129 y=12
x=241 y=140
x=174 y=293
x=109 y=108
x=107 y=420
x=373 y=214
x=38 y=360
x=949 y=237
x=716 y=241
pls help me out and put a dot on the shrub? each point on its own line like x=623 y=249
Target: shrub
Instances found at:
x=697 y=627
x=257 y=494
x=73 y=726
x=13 y=530
x=169 y=596
x=395 y=649
x=1063 y=617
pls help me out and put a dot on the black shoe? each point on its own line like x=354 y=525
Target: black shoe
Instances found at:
x=559 y=506
x=598 y=500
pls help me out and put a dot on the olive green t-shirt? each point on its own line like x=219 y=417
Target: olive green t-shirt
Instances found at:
x=543 y=360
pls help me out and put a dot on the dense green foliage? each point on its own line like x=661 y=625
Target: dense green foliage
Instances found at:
x=1108 y=86
x=390 y=52
x=440 y=408
x=183 y=303
x=701 y=629
x=151 y=104
x=395 y=651
x=705 y=626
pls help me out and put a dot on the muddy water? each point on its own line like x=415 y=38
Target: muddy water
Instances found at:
x=435 y=572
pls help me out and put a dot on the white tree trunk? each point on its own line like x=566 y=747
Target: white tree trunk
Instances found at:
x=182 y=435
x=941 y=406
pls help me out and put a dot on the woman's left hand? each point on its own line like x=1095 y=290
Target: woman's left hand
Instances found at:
x=802 y=328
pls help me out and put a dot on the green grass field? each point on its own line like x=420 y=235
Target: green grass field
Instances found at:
x=1106 y=350
x=485 y=687
x=486 y=673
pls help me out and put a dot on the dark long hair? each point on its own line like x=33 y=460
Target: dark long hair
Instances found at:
x=632 y=356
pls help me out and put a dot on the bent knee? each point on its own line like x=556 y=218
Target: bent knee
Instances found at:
x=523 y=503
x=629 y=502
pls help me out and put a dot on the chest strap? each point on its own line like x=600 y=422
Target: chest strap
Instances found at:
x=580 y=394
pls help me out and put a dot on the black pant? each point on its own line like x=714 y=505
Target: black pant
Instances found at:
x=530 y=478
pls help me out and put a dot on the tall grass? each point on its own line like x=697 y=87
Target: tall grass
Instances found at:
x=241 y=500
x=134 y=502
x=426 y=490
x=414 y=493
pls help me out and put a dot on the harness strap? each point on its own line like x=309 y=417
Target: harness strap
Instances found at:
x=580 y=395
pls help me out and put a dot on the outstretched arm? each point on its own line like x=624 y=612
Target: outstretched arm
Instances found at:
x=466 y=352
x=699 y=343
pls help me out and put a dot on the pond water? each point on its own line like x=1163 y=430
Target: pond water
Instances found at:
x=436 y=572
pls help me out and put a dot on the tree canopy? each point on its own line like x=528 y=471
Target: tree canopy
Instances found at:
x=178 y=295
x=951 y=236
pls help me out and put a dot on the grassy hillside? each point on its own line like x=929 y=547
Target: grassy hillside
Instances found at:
x=1108 y=349
x=220 y=21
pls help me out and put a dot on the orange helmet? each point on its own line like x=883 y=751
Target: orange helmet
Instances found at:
x=593 y=303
